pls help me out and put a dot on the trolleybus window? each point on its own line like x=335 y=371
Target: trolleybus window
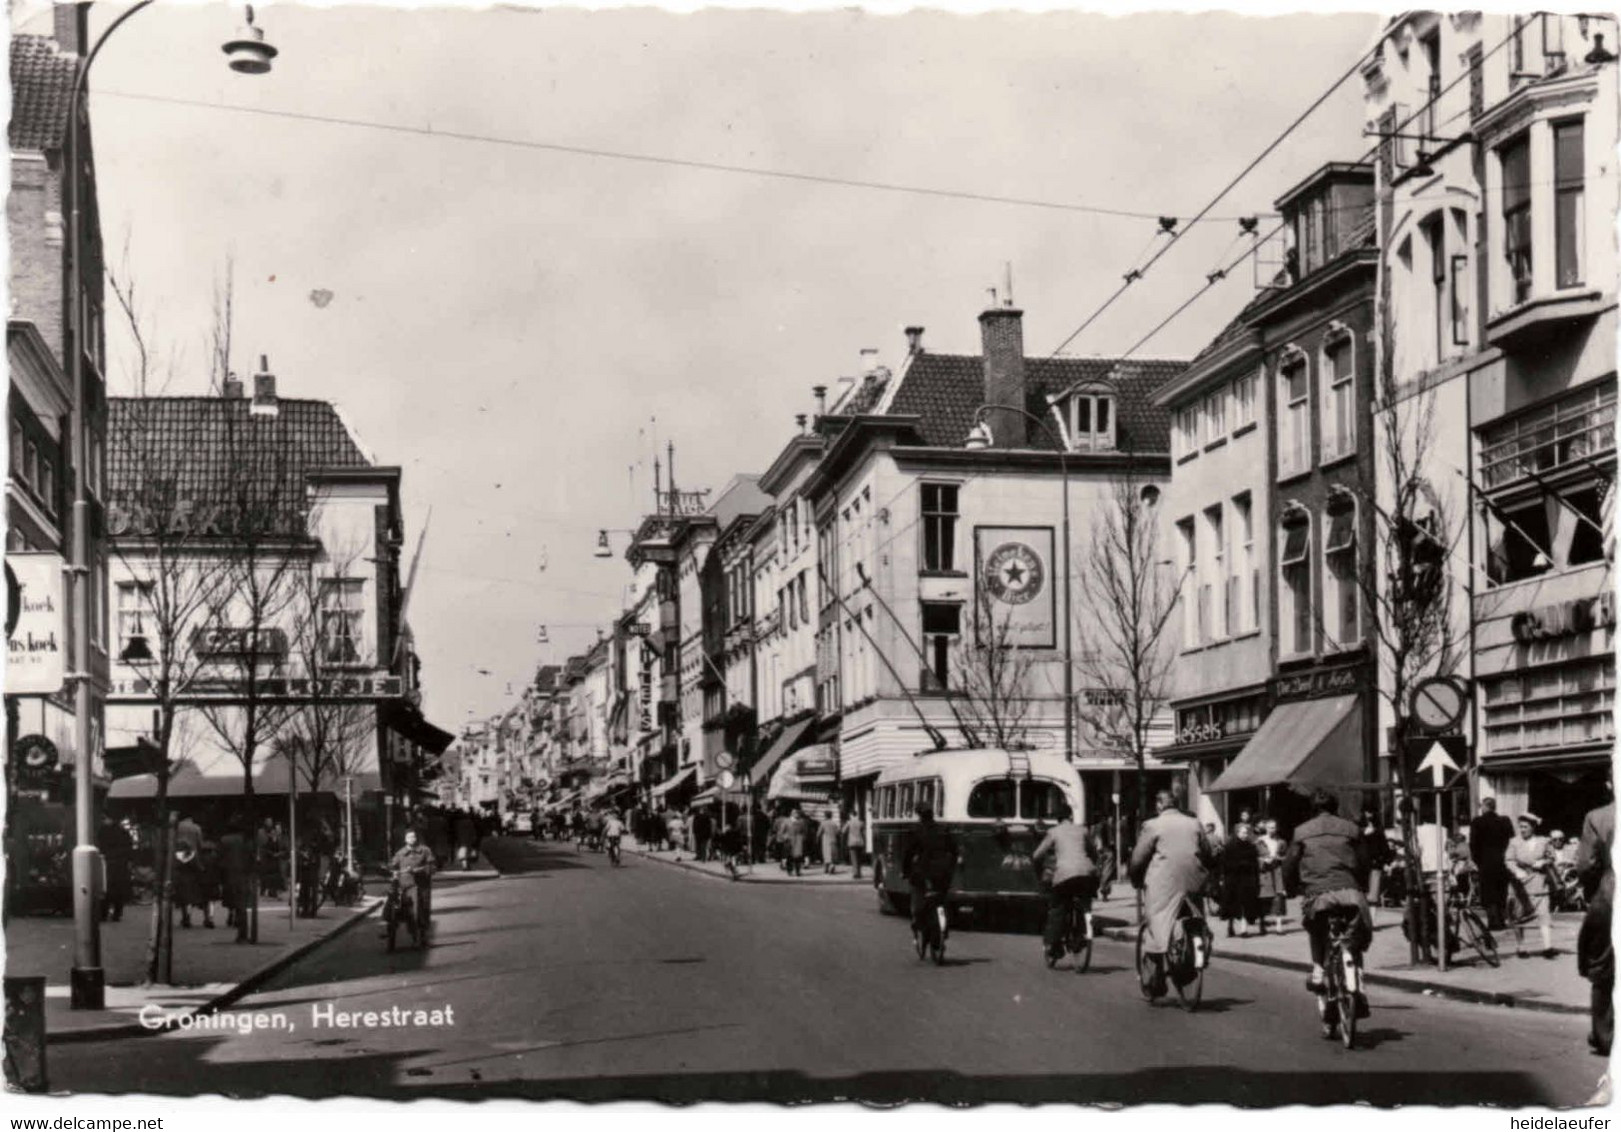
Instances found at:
x=928 y=794
x=993 y=798
x=908 y=804
x=1040 y=801
x=886 y=802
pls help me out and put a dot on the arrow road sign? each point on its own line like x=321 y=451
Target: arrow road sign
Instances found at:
x=1437 y=762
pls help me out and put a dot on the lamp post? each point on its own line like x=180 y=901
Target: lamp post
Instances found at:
x=249 y=54
x=980 y=437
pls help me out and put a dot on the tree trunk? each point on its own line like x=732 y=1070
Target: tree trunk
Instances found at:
x=1418 y=943
x=161 y=894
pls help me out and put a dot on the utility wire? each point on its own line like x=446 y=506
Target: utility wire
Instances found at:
x=645 y=158
x=1204 y=213
x=1221 y=273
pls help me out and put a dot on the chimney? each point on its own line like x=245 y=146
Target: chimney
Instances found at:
x=914 y=339
x=869 y=361
x=264 y=389
x=799 y=419
x=1001 y=332
x=821 y=399
x=71 y=24
x=232 y=389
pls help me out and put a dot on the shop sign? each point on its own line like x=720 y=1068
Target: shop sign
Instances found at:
x=36 y=645
x=225 y=641
x=1200 y=733
x=644 y=689
x=1015 y=568
x=1318 y=683
x=1563 y=619
x=280 y=689
x=36 y=760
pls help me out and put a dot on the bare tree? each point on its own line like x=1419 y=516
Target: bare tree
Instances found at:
x=159 y=529
x=993 y=689
x=1126 y=601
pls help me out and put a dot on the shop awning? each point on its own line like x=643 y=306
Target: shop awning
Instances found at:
x=807 y=775
x=1306 y=744
x=188 y=782
x=406 y=720
x=674 y=782
x=710 y=795
x=761 y=770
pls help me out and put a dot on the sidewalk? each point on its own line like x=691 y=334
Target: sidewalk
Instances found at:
x=1533 y=983
x=766 y=872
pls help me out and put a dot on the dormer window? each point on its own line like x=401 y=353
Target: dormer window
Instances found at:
x=1091 y=421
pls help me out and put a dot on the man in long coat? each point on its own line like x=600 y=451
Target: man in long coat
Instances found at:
x=1169 y=865
x=1595 y=953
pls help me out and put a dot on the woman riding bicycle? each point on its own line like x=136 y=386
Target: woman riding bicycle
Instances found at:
x=1074 y=877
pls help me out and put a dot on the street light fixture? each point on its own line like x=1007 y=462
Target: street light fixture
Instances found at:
x=87 y=979
x=981 y=437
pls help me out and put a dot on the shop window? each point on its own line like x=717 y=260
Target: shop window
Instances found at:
x=942 y=626
x=1515 y=160
x=1564 y=705
x=939 y=526
x=1344 y=598
x=993 y=798
x=1041 y=801
x=1568 y=197
x=1294 y=591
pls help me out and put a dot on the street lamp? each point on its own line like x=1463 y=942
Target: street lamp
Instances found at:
x=980 y=436
x=87 y=979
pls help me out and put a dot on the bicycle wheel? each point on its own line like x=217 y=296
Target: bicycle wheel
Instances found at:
x=1479 y=937
x=1346 y=998
x=1142 y=960
x=391 y=919
x=1188 y=995
x=1080 y=943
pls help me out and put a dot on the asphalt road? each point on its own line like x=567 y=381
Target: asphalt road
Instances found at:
x=567 y=978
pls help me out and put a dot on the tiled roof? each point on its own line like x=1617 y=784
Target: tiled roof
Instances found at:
x=944 y=390
x=200 y=442
x=41 y=87
x=866 y=396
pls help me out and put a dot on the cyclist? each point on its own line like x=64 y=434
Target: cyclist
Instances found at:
x=929 y=862
x=612 y=830
x=1169 y=863
x=1327 y=865
x=1074 y=878
x=413 y=871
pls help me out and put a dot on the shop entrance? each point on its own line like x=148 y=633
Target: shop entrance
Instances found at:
x=1562 y=797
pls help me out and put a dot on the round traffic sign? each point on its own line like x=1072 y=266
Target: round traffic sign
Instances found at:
x=726 y=779
x=1437 y=704
x=725 y=760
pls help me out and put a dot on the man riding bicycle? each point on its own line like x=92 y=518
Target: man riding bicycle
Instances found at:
x=613 y=829
x=1074 y=877
x=1327 y=864
x=930 y=861
x=413 y=871
x=1168 y=863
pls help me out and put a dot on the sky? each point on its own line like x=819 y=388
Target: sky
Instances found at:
x=520 y=328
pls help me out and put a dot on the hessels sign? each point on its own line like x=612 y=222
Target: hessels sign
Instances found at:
x=1200 y=733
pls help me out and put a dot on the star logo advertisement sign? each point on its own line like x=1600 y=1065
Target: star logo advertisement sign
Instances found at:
x=1015 y=583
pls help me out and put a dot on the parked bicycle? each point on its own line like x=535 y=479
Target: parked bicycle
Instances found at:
x=1342 y=1004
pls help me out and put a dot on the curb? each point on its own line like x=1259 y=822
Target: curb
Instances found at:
x=1122 y=932
x=251 y=982
x=746 y=879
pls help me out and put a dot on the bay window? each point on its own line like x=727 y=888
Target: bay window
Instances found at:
x=1515 y=159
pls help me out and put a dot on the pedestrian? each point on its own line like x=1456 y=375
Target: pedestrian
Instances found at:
x=466 y=841
x=190 y=882
x=703 y=829
x=1489 y=837
x=779 y=840
x=1274 y=901
x=116 y=852
x=676 y=830
x=1595 y=952
x=1528 y=859
x=1240 y=880
x=1373 y=838
x=798 y=842
x=829 y=835
x=855 y=841
x=237 y=874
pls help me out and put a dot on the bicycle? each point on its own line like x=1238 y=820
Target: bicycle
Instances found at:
x=1340 y=1004
x=930 y=940
x=1188 y=951
x=394 y=912
x=1077 y=936
x=1467 y=927
x=613 y=850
